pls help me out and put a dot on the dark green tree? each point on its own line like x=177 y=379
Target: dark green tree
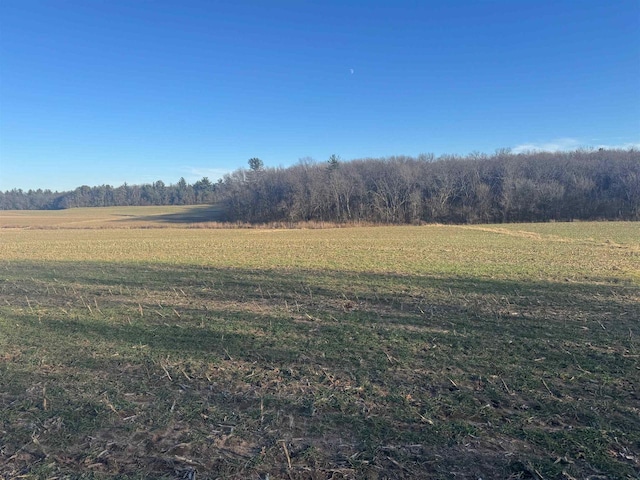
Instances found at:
x=255 y=164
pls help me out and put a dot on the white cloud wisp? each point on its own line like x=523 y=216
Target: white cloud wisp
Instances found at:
x=567 y=144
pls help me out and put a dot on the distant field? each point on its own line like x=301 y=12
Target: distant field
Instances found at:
x=110 y=217
x=490 y=351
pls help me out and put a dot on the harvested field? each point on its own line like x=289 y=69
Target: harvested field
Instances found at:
x=493 y=351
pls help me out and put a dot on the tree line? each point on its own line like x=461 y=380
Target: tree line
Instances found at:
x=157 y=193
x=476 y=188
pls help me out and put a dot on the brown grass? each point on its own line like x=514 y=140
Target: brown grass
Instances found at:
x=386 y=352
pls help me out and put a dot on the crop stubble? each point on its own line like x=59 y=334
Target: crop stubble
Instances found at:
x=389 y=352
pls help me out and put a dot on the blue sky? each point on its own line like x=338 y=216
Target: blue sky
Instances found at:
x=113 y=91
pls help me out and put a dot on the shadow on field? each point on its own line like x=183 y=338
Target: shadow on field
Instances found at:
x=195 y=214
x=215 y=342
x=188 y=295
x=295 y=373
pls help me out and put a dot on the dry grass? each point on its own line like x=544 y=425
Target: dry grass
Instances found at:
x=107 y=217
x=389 y=352
x=485 y=251
x=199 y=216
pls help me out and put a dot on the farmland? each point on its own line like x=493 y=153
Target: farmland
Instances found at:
x=130 y=350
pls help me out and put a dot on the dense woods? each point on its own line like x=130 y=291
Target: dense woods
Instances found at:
x=477 y=188
x=157 y=193
x=503 y=187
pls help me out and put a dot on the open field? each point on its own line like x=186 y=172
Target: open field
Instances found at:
x=490 y=351
x=110 y=217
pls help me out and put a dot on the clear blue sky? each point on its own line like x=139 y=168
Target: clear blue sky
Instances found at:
x=108 y=91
